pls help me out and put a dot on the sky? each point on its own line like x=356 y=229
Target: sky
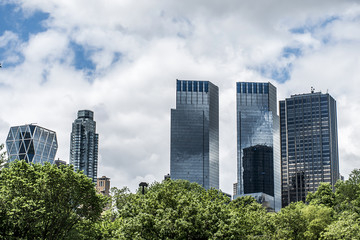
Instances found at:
x=121 y=59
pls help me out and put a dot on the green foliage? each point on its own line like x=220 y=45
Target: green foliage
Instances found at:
x=246 y=219
x=301 y=221
x=3 y=159
x=346 y=227
x=171 y=210
x=324 y=195
x=347 y=193
x=45 y=202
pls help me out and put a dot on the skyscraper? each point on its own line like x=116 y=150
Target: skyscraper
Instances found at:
x=309 y=144
x=258 y=152
x=31 y=143
x=84 y=144
x=195 y=133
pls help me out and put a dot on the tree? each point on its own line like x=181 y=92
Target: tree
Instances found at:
x=324 y=195
x=301 y=221
x=347 y=193
x=3 y=159
x=45 y=201
x=171 y=210
x=347 y=227
x=246 y=219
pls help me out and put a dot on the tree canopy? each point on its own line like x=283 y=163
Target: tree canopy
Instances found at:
x=45 y=201
x=49 y=202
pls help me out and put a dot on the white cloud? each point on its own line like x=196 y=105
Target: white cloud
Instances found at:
x=159 y=41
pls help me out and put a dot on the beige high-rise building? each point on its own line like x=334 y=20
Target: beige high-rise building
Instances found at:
x=103 y=186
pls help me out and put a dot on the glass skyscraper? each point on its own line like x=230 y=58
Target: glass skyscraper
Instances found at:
x=194 y=153
x=258 y=150
x=309 y=144
x=84 y=144
x=31 y=143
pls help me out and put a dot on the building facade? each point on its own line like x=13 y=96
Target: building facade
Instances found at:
x=84 y=144
x=103 y=186
x=309 y=144
x=31 y=143
x=258 y=150
x=194 y=150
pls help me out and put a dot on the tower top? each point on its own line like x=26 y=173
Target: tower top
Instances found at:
x=86 y=114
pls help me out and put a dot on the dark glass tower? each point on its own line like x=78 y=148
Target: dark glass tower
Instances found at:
x=309 y=144
x=258 y=170
x=84 y=144
x=194 y=153
x=31 y=143
x=258 y=151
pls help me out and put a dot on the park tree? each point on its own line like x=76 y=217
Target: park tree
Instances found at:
x=347 y=193
x=346 y=227
x=171 y=210
x=45 y=201
x=246 y=219
x=324 y=195
x=3 y=159
x=299 y=221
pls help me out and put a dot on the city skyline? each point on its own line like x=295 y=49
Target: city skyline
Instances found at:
x=120 y=59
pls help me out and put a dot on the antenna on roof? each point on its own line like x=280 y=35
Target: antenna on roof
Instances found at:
x=312 y=89
x=0 y=65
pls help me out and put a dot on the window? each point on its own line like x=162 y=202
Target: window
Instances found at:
x=238 y=87
x=243 y=86
x=249 y=85
x=254 y=87
x=184 y=86
x=190 y=86
x=195 y=86
x=266 y=88
x=201 y=86
x=178 y=85
x=206 y=86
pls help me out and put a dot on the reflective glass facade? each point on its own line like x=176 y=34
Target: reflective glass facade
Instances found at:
x=31 y=143
x=309 y=144
x=84 y=144
x=194 y=150
x=258 y=150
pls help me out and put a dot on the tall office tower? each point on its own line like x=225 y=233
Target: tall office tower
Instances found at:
x=309 y=145
x=258 y=151
x=195 y=133
x=84 y=144
x=31 y=143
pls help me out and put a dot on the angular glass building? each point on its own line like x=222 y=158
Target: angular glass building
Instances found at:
x=194 y=150
x=31 y=143
x=258 y=150
x=309 y=144
x=84 y=144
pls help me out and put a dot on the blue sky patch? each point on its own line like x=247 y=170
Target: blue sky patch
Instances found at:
x=13 y=19
x=278 y=73
x=288 y=52
x=312 y=27
x=82 y=59
x=117 y=57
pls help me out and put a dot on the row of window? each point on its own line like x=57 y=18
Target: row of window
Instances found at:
x=248 y=87
x=192 y=86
